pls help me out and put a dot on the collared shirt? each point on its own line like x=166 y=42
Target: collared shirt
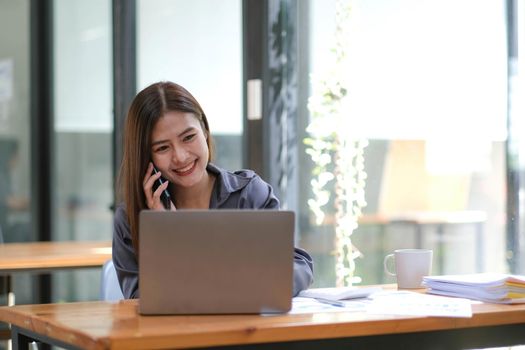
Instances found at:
x=242 y=189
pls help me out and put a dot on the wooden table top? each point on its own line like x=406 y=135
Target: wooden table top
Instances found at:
x=43 y=256
x=104 y=325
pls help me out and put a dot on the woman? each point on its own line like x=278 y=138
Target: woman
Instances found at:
x=167 y=129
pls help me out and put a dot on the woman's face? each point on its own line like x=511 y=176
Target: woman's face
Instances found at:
x=179 y=149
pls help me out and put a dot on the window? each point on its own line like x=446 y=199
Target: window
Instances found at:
x=82 y=186
x=15 y=129
x=428 y=89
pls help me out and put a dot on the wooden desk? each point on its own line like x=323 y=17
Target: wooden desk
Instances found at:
x=49 y=256
x=103 y=325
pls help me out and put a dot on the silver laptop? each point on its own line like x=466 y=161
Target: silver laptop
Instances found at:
x=215 y=261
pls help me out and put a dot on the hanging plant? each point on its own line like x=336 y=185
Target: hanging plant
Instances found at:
x=338 y=175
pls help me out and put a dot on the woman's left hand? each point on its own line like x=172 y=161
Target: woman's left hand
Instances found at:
x=153 y=198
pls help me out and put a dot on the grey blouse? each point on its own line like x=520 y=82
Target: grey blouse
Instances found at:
x=242 y=189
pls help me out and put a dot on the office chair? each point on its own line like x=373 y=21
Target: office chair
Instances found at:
x=109 y=286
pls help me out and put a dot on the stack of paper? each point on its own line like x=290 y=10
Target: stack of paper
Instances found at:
x=488 y=287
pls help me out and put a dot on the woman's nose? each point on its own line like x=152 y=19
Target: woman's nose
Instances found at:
x=179 y=155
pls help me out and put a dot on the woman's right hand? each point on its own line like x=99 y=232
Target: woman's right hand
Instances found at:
x=153 y=200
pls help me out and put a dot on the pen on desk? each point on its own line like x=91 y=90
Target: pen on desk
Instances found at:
x=331 y=302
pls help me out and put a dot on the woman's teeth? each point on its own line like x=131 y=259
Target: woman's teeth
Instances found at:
x=187 y=168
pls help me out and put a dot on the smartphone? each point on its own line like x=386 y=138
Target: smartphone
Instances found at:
x=165 y=197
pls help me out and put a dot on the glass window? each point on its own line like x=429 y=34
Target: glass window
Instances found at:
x=15 y=130
x=15 y=155
x=83 y=126
x=198 y=45
x=515 y=142
x=427 y=87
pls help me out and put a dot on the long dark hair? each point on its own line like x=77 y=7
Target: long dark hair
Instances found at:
x=146 y=109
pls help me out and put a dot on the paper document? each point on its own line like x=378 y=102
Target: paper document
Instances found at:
x=302 y=305
x=417 y=304
x=389 y=303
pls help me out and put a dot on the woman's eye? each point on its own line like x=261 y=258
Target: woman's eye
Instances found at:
x=161 y=148
x=188 y=138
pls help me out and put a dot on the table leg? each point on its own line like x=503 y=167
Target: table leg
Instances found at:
x=419 y=235
x=29 y=340
x=441 y=248
x=19 y=340
x=10 y=292
x=7 y=287
x=381 y=274
x=479 y=247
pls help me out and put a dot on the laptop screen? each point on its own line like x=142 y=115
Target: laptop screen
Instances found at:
x=215 y=261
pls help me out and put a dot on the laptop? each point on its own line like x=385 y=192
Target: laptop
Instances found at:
x=215 y=261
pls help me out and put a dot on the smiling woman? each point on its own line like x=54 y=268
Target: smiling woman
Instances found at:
x=166 y=129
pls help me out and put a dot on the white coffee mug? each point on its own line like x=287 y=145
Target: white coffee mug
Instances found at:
x=411 y=266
